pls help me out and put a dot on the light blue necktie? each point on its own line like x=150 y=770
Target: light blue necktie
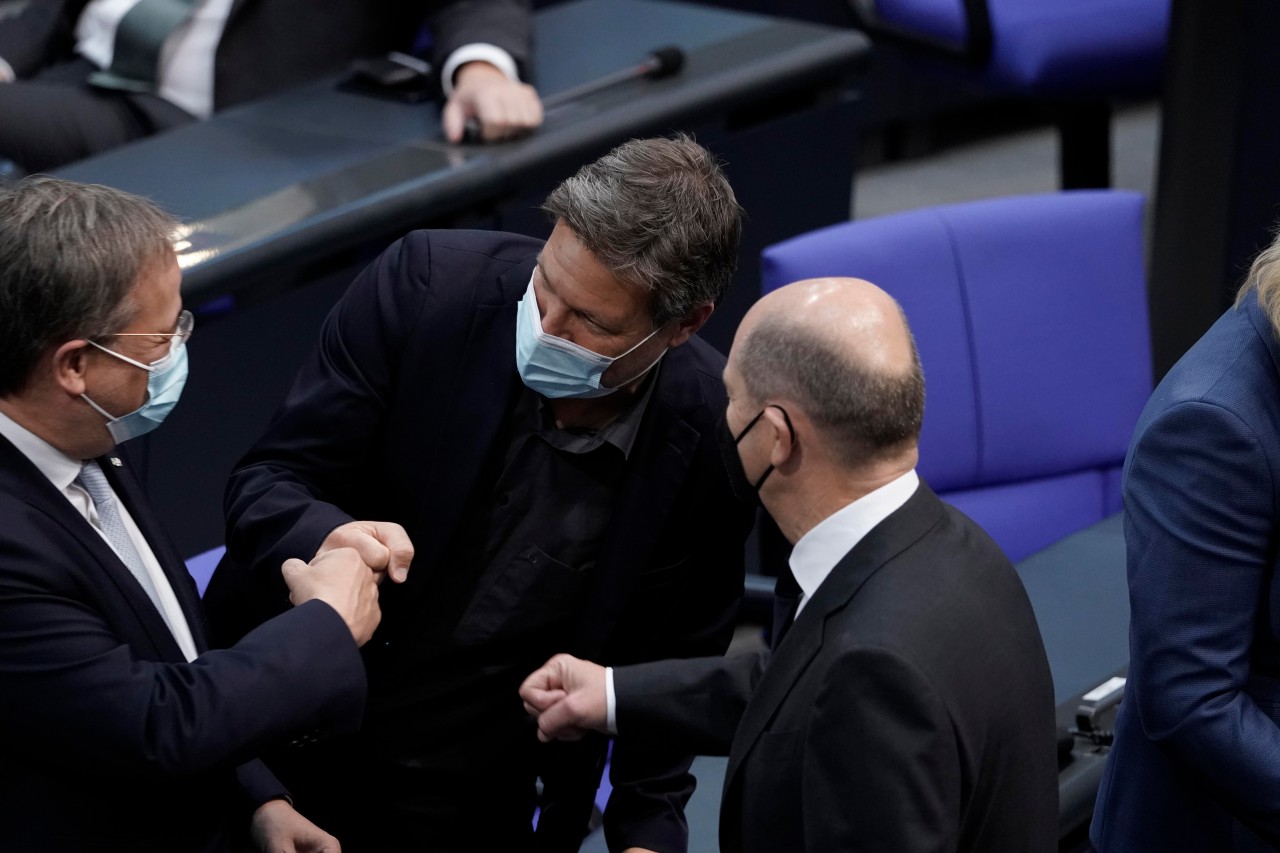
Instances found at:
x=112 y=525
x=140 y=36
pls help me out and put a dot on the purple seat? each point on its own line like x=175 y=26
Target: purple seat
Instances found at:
x=1076 y=55
x=1030 y=315
x=1043 y=48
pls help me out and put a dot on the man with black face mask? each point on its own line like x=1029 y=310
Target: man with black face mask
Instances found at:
x=534 y=425
x=907 y=704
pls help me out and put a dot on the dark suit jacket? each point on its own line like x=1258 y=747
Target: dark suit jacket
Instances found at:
x=1196 y=761
x=271 y=44
x=393 y=418
x=111 y=740
x=908 y=709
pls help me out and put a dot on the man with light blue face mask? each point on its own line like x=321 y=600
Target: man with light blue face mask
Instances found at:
x=534 y=426
x=166 y=378
x=121 y=729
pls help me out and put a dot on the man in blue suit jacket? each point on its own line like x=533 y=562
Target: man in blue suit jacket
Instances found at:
x=1196 y=761
x=540 y=419
x=118 y=729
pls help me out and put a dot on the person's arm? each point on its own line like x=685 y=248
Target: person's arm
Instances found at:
x=692 y=706
x=881 y=768
x=482 y=48
x=1200 y=532
x=671 y=708
x=290 y=493
x=92 y=705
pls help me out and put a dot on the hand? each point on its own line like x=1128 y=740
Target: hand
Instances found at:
x=567 y=696
x=383 y=545
x=505 y=108
x=340 y=579
x=277 y=828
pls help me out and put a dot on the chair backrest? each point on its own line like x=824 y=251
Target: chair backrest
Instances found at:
x=1040 y=48
x=1030 y=316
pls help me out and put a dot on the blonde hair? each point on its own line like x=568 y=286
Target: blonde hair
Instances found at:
x=1264 y=277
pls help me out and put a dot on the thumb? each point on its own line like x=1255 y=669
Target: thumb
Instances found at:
x=454 y=119
x=399 y=549
x=559 y=722
x=293 y=571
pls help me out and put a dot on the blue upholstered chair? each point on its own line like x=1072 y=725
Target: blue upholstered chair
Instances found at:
x=1077 y=56
x=1030 y=316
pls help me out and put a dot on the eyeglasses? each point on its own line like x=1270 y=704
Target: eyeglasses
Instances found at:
x=178 y=337
x=182 y=331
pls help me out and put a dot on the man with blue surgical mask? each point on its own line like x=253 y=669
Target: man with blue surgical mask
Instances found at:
x=121 y=729
x=533 y=426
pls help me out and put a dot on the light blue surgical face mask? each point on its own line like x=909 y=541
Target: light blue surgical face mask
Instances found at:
x=558 y=368
x=165 y=382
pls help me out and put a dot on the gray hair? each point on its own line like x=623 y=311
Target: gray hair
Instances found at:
x=1264 y=277
x=70 y=255
x=660 y=215
x=865 y=415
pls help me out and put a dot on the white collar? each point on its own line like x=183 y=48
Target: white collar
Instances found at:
x=60 y=468
x=818 y=551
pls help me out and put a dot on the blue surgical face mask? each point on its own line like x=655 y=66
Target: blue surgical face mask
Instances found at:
x=165 y=382
x=558 y=368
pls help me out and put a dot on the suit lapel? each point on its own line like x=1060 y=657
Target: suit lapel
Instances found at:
x=20 y=478
x=485 y=384
x=886 y=540
x=171 y=563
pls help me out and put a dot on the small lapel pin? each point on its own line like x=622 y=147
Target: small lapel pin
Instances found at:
x=115 y=460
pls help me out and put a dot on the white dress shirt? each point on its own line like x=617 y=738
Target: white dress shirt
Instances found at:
x=185 y=76
x=62 y=471
x=818 y=552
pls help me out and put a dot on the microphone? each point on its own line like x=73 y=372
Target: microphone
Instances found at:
x=663 y=62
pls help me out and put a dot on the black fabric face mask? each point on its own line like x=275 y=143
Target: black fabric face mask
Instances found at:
x=742 y=488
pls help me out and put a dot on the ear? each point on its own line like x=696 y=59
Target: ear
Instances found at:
x=691 y=323
x=784 y=437
x=69 y=362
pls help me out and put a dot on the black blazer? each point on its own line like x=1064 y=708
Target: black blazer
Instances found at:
x=111 y=740
x=271 y=44
x=909 y=708
x=392 y=419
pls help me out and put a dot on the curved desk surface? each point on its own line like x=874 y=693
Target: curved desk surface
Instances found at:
x=315 y=170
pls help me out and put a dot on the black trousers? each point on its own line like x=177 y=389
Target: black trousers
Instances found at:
x=56 y=117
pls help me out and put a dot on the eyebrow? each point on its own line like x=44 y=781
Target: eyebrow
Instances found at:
x=537 y=262
x=594 y=318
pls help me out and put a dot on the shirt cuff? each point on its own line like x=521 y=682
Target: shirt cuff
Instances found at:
x=6 y=72
x=477 y=52
x=610 y=703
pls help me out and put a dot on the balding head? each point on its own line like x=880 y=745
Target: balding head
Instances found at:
x=839 y=350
